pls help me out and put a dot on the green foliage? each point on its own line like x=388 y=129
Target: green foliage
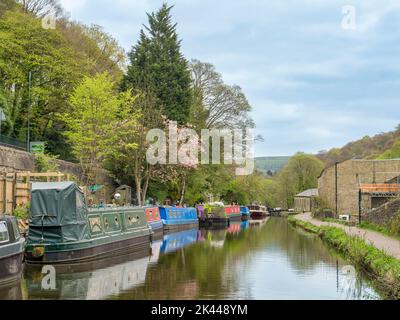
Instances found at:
x=21 y=211
x=97 y=121
x=392 y=153
x=301 y=173
x=157 y=65
x=46 y=163
x=381 y=146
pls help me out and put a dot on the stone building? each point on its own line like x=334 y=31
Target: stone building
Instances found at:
x=354 y=187
x=303 y=202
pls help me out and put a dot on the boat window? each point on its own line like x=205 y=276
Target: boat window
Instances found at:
x=17 y=233
x=4 y=237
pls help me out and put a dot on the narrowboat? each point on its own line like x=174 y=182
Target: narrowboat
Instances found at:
x=233 y=212
x=63 y=230
x=213 y=216
x=245 y=212
x=154 y=220
x=178 y=240
x=258 y=212
x=12 y=246
x=177 y=218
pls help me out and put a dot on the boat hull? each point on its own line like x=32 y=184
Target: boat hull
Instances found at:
x=214 y=222
x=86 y=254
x=258 y=215
x=245 y=217
x=11 y=268
x=169 y=227
x=237 y=217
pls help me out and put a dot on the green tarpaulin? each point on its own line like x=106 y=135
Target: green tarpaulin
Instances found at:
x=57 y=212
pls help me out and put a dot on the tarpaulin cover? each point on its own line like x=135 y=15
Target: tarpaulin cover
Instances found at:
x=58 y=213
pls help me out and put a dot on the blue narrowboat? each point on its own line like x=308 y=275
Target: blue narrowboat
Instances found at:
x=245 y=213
x=176 y=218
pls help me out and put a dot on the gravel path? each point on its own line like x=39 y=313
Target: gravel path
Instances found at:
x=390 y=245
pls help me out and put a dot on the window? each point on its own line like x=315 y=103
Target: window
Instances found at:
x=4 y=237
x=17 y=233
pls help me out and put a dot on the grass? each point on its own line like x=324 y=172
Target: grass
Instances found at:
x=384 y=270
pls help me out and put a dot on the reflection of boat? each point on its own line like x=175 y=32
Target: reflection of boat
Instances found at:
x=213 y=215
x=258 y=212
x=178 y=240
x=245 y=212
x=62 y=229
x=257 y=222
x=91 y=281
x=155 y=251
x=11 y=250
x=11 y=291
x=176 y=218
x=154 y=220
x=234 y=228
x=244 y=224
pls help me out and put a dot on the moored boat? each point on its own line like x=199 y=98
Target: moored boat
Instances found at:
x=245 y=212
x=213 y=215
x=177 y=218
x=63 y=230
x=154 y=220
x=258 y=212
x=12 y=246
x=233 y=212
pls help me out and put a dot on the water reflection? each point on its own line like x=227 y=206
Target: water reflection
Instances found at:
x=248 y=260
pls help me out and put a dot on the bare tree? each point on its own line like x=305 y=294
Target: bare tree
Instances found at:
x=226 y=106
x=42 y=8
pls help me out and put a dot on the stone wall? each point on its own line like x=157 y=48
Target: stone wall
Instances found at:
x=12 y=160
x=383 y=215
x=350 y=174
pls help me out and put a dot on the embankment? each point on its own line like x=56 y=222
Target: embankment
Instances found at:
x=383 y=270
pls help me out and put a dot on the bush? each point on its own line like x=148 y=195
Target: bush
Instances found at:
x=45 y=163
x=21 y=211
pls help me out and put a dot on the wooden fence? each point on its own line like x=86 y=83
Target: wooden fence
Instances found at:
x=15 y=187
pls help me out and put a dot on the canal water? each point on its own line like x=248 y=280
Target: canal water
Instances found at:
x=272 y=260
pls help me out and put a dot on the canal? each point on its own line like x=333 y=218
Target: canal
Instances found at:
x=268 y=261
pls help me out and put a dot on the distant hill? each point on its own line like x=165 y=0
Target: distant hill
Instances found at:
x=381 y=146
x=271 y=164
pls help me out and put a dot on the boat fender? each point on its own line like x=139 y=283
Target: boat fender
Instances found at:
x=38 y=252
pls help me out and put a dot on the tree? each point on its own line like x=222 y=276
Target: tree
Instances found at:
x=126 y=157
x=97 y=118
x=42 y=8
x=157 y=66
x=26 y=47
x=301 y=173
x=224 y=106
x=392 y=153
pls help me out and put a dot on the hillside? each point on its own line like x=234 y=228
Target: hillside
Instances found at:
x=381 y=146
x=271 y=164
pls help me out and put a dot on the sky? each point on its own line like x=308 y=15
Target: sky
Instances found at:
x=317 y=73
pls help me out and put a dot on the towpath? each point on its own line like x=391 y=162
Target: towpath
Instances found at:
x=390 y=245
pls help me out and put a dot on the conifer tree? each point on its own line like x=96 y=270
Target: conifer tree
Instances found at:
x=158 y=66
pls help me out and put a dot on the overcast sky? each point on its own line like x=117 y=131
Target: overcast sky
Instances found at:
x=312 y=84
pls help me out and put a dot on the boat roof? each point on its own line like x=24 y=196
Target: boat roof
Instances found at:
x=51 y=185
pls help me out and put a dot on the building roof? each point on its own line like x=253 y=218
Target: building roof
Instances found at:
x=308 y=193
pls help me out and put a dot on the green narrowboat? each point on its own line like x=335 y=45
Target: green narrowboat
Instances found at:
x=213 y=215
x=63 y=230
